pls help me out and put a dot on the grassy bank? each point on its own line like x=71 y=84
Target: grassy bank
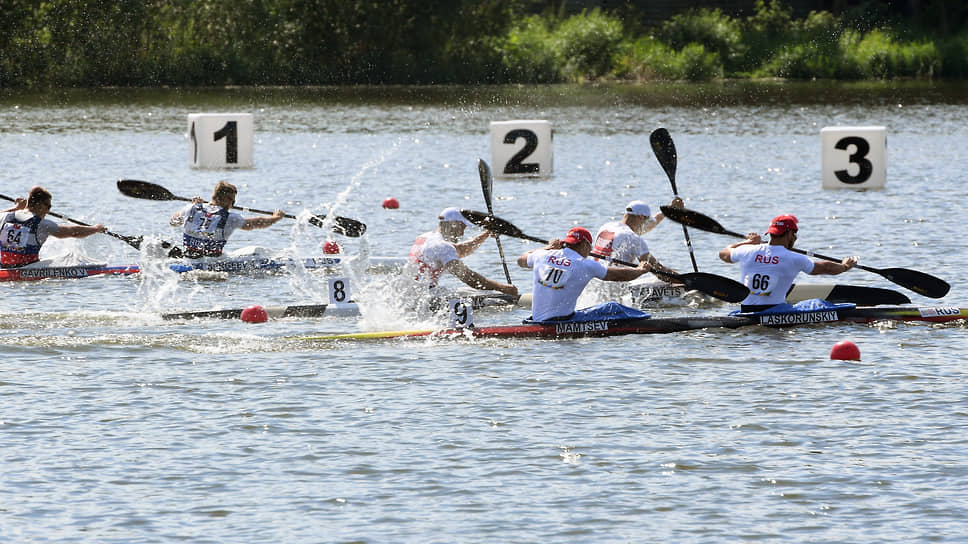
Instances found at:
x=63 y=43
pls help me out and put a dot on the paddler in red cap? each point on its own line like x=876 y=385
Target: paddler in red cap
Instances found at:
x=562 y=269
x=770 y=269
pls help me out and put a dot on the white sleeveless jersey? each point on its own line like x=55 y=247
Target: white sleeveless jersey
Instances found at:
x=431 y=253
x=616 y=240
x=208 y=227
x=769 y=271
x=559 y=277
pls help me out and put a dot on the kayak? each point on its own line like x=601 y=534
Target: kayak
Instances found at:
x=239 y=265
x=650 y=325
x=273 y=312
x=255 y=264
x=478 y=301
x=34 y=273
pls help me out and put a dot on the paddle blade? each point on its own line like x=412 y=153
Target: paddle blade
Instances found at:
x=695 y=219
x=665 y=150
x=492 y=223
x=341 y=225
x=174 y=252
x=145 y=190
x=487 y=182
x=919 y=282
x=497 y=225
x=720 y=287
x=133 y=241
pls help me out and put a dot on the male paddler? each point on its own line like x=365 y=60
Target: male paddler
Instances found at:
x=207 y=227
x=770 y=269
x=24 y=228
x=562 y=269
x=441 y=250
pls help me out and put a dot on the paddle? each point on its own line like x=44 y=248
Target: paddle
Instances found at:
x=133 y=241
x=919 y=282
x=150 y=191
x=711 y=284
x=487 y=183
x=665 y=150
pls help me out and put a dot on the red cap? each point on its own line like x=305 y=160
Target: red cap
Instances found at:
x=781 y=224
x=578 y=234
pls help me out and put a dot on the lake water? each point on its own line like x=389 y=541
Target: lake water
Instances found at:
x=119 y=426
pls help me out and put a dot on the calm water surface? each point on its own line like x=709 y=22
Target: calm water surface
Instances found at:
x=118 y=426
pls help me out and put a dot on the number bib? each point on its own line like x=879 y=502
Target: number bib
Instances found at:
x=18 y=241
x=205 y=230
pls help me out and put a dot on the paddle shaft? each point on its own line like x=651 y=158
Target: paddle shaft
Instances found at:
x=665 y=150
x=152 y=191
x=487 y=184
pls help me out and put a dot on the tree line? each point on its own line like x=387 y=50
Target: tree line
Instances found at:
x=92 y=43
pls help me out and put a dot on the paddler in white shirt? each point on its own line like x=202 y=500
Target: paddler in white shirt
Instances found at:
x=562 y=269
x=24 y=229
x=441 y=250
x=622 y=239
x=769 y=270
x=208 y=226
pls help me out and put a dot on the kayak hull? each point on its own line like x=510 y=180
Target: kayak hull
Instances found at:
x=569 y=329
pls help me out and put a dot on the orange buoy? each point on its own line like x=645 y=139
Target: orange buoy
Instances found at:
x=390 y=203
x=845 y=350
x=255 y=314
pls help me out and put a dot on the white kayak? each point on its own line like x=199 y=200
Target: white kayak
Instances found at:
x=255 y=260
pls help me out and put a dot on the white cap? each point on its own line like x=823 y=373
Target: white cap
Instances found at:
x=638 y=207
x=453 y=214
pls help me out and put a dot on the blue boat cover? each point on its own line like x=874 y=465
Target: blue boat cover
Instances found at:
x=605 y=311
x=802 y=307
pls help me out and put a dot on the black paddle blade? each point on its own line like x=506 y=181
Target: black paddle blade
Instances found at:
x=341 y=225
x=919 y=282
x=174 y=252
x=665 y=150
x=492 y=223
x=487 y=182
x=720 y=287
x=497 y=225
x=133 y=241
x=695 y=219
x=144 y=190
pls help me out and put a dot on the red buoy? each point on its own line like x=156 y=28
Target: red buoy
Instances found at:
x=331 y=247
x=845 y=350
x=255 y=314
x=390 y=203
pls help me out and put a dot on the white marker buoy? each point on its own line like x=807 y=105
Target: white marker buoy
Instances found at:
x=854 y=157
x=522 y=148
x=221 y=140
